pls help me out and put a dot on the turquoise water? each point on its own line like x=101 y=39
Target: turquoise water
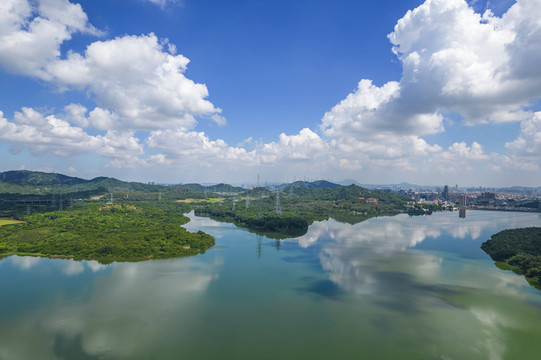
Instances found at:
x=388 y=288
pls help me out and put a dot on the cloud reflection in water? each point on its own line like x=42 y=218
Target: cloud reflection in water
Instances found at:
x=119 y=317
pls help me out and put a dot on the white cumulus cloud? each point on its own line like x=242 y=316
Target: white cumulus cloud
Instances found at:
x=46 y=135
x=138 y=79
x=31 y=33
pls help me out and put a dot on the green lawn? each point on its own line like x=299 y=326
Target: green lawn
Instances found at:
x=7 y=222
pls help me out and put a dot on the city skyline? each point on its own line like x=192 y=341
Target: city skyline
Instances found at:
x=424 y=92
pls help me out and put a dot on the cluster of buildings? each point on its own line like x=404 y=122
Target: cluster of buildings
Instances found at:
x=477 y=198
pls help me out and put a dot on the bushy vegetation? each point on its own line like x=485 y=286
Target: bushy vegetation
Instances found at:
x=520 y=249
x=105 y=233
x=18 y=205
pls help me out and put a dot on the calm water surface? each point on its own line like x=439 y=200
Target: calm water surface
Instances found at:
x=388 y=288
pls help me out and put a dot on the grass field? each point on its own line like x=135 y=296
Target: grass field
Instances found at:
x=7 y=222
x=210 y=200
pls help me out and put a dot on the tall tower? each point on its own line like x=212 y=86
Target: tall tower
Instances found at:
x=248 y=199
x=234 y=201
x=445 y=192
x=278 y=207
x=462 y=206
x=462 y=201
x=259 y=209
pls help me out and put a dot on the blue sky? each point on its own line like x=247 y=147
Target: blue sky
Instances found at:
x=428 y=92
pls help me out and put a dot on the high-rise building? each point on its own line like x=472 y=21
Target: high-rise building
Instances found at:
x=445 y=192
x=462 y=201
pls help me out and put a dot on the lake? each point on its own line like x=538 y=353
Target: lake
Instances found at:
x=396 y=287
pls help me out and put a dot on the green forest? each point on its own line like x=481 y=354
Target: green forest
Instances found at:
x=105 y=233
x=518 y=250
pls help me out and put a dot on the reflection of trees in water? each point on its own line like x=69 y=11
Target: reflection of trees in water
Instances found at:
x=259 y=244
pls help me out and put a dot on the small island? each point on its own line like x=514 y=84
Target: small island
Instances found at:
x=106 y=233
x=518 y=250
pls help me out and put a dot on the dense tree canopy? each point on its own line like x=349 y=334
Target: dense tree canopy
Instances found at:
x=105 y=233
x=520 y=249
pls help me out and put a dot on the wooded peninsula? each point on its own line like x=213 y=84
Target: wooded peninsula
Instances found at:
x=518 y=250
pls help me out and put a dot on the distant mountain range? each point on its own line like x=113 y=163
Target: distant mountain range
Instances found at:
x=348 y=182
x=21 y=180
x=24 y=181
x=318 y=184
x=402 y=185
x=27 y=178
x=36 y=178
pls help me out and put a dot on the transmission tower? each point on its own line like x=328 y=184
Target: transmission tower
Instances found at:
x=220 y=200
x=278 y=207
x=60 y=201
x=248 y=199
x=259 y=210
x=234 y=201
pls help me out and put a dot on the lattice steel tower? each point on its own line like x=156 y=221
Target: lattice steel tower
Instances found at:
x=278 y=207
